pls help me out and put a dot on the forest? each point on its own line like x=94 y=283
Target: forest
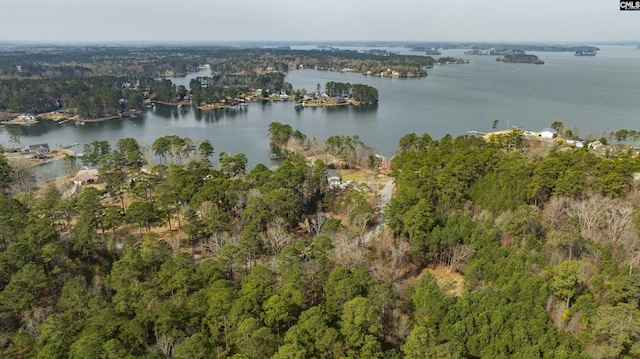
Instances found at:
x=494 y=248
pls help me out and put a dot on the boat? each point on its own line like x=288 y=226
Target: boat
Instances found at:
x=585 y=53
x=79 y=123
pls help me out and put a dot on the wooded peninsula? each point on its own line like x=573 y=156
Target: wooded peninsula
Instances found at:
x=507 y=245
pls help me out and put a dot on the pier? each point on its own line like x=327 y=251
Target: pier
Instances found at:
x=64 y=147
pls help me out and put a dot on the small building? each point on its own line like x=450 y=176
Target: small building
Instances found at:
x=333 y=178
x=547 y=133
x=595 y=145
x=86 y=176
x=27 y=118
x=576 y=142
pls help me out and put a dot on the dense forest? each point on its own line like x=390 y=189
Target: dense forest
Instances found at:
x=359 y=92
x=493 y=248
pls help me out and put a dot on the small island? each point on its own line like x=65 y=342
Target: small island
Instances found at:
x=521 y=59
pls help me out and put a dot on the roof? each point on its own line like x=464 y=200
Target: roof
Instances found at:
x=39 y=146
x=332 y=173
x=85 y=175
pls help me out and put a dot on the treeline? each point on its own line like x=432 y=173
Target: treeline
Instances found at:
x=90 y=97
x=359 y=92
x=53 y=61
x=154 y=61
x=230 y=87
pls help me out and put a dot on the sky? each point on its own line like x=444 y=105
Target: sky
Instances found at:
x=542 y=21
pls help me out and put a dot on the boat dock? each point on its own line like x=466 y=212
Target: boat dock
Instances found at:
x=61 y=147
x=476 y=133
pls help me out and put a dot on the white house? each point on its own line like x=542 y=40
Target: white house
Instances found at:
x=547 y=133
x=595 y=145
x=576 y=142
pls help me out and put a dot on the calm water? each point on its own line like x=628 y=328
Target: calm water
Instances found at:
x=594 y=94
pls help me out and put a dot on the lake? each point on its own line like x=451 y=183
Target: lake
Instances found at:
x=595 y=95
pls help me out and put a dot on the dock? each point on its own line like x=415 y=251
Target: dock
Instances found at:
x=61 y=147
x=477 y=133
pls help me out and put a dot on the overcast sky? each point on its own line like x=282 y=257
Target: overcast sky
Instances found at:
x=314 y=20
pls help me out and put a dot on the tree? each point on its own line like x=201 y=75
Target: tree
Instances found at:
x=360 y=328
x=232 y=166
x=194 y=347
x=143 y=213
x=161 y=147
x=558 y=126
x=130 y=153
x=616 y=331
x=23 y=179
x=344 y=285
x=6 y=174
x=314 y=334
x=458 y=253
x=14 y=137
x=279 y=134
x=205 y=149
x=254 y=340
x=566 y=280
x=94 y=151
x=25 y=289
x=154 y=251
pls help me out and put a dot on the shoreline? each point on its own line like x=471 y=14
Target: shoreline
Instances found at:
x=56 y=155
x=60 y=119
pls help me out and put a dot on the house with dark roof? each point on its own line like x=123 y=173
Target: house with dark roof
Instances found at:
x=40 y=150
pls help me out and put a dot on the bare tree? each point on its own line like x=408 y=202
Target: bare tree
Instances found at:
x=23 y=178
x=316 y=221
x=361 y=220
x=390 y=263
x=555 y=211
x=346 y=251
x=276 y=237
x=459 y=253
x=166 y=344
x=216 y=241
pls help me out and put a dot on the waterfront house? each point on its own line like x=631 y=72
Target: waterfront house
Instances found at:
x=547 y=133
x=595 y=145
x=40 y=150
x=576 y=142
x=86 y=176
